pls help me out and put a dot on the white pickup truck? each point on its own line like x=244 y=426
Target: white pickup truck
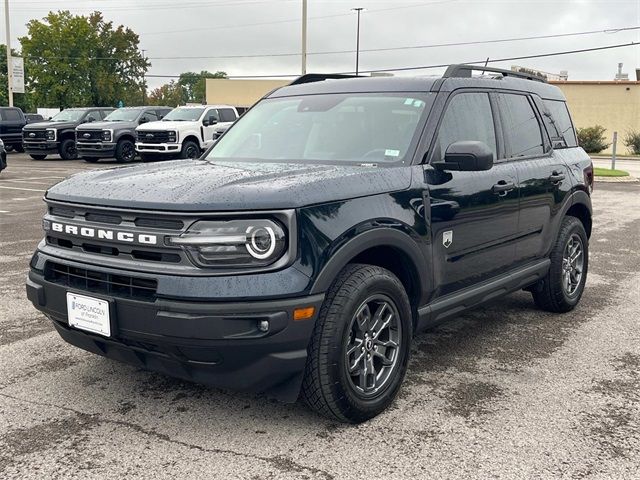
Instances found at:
x=184 y=132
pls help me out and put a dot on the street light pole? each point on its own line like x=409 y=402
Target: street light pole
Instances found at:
x=359 y=9
x=304 y=37
x=9 y=66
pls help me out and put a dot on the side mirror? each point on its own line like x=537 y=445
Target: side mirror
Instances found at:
x=467 y=156
x=211 y=120
x=143 y=120
x=91 y=119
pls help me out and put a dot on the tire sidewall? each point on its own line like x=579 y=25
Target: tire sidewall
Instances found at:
x=119 y=151
x=352 y=404
x=574 y=227
x=185 y=148
x=64 y=146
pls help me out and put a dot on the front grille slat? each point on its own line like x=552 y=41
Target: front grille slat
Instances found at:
x=156 y=136
x=94 y=136
x=92 y=281
x=37 y=134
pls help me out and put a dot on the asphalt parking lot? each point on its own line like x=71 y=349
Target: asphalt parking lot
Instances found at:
x=506 y=391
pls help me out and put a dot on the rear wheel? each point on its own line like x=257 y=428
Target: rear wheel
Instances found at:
x=190 y=150
x=38 y=157
x=358 y=354
x=68 y=149
x=125 y=151
x=561 y=289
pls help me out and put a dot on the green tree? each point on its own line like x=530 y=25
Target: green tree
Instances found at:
x=77 y=60
x=21 y=100
x=170 y=94
x=194 y=85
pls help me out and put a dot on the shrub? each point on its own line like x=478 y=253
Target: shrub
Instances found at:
x=631 y=140
x=592 y=139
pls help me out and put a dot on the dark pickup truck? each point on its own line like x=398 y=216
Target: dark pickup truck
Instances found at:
x=12 y=120
x=115 y=137
x=334 y=221
x=58 y=136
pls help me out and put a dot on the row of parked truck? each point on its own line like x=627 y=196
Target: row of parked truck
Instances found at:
x=94 y=133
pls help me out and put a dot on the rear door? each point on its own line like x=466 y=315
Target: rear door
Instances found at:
x=11 y=123
x=474 y=215
x=543 y=178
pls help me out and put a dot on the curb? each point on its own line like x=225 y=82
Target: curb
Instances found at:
x=627 y=179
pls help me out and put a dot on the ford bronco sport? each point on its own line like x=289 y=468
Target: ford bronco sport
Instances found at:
x=334 y=221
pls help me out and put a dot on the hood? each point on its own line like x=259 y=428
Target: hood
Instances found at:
x=105 y=125
x=166 y=125
x=43 y=125
x=198 y=185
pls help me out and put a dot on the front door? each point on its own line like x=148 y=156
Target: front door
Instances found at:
x=474 y=215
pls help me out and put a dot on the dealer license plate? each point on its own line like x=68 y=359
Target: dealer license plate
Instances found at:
x=89 y=314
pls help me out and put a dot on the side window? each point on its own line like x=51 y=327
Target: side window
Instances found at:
x=11 y=115
x=212 y=112
x=467 y=117
x=227 y=115
x=559 y=125
x=161 y=113
x=149 y=116
x=521 y=128
x=93 y=116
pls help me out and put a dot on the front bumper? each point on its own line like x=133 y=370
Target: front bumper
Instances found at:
x=166 y=148
x=214 y=343
x=40 y=148
x=97 y=149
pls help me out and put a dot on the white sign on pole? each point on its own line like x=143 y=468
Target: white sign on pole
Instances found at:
x=17 y=64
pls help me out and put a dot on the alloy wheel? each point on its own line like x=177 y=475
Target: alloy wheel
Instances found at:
x=572 y=265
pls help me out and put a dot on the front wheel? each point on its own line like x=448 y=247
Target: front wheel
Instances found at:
x=190 y=150
x=68 y=149
x=359 y=351
x=561 y=289
x=125 y=151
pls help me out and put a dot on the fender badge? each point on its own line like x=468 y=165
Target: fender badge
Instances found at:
x=447 y=238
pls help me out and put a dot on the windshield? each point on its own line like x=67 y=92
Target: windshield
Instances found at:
x=362 y=128
x=123 y=115
x=182 y=114
x=68 y=116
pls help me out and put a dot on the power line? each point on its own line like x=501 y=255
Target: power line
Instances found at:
x=425 y=67
x=406 y=47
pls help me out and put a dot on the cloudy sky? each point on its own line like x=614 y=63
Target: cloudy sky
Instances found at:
x=263 y=36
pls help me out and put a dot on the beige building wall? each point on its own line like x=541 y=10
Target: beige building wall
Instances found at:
x=614 y=105
x=239 y=93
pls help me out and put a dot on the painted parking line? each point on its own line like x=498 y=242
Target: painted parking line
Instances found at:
x=20 y=188
x=27 y=179
x=4 y=211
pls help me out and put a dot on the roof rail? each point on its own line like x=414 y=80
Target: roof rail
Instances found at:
x=319 y=77
x=464 y=71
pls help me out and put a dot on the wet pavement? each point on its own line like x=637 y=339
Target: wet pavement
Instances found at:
x=505 y=391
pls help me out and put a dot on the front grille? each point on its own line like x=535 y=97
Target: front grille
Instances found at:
x=34 y=134
x=153 y=137
x=93 y=136
x=123 y=286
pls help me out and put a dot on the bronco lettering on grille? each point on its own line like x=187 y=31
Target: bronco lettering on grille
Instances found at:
x=102 y=234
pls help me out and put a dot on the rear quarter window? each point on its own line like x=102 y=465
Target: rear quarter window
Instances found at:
x=558 y=123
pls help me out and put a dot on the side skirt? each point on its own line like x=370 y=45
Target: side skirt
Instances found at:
x=456 y=303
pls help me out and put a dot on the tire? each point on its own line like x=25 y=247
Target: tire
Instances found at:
x=19 y=148
x=68 y=149
x=328 y=387
x=8 y=148
x=558 y=292
x=125 y=151
x=90 y=159
x=190 y=149
x=38 y=157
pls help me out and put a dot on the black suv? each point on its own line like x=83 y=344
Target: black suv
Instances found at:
x=58 y=134
x=334 y=221
x=12 y=120
x=115 y=137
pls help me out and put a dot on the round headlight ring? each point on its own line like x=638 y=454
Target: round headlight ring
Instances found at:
x=255 y=250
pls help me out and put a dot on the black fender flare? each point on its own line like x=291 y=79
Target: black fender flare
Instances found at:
x=576 y=197
x=377 y=237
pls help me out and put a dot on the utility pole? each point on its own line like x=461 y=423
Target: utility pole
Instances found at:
x=359 y=9
x=9 y=65
x=144 y=87
x=304 y=37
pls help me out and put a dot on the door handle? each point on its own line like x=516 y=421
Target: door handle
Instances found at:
x=556 y=177
x=503 y=187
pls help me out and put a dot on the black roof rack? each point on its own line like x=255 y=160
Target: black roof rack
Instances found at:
x=464 y=71
x=319 y=77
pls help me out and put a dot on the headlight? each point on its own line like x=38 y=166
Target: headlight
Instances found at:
x=106 y=135
x=51 y=134
x=173 y=137
x=233 y=243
